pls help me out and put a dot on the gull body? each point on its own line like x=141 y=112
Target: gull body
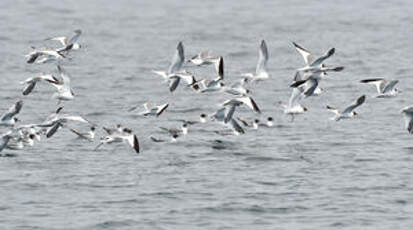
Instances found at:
x=349 y=111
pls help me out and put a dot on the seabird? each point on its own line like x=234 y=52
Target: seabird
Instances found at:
x=9 y=118
x=90 y=135
x=152 y=110
x=349 y=111
x=31 y=82
x=384 y=88
x=261 y=72
x=408 y=118
x=125 y=136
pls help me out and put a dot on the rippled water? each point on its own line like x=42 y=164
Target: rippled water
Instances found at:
x=310 y=174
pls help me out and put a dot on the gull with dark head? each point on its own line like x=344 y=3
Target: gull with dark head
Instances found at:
x=385 y=88
x=349 y=111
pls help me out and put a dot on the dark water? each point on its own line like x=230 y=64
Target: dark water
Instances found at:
x=310 y=174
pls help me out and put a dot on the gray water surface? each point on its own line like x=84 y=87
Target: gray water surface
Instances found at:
x=313 y=173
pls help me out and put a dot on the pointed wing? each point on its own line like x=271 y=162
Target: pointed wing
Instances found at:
x=219 y=67
x=248 y=101
x=378 y=82
x=296 y=95
x=390 y=85
x=13 y=110
x=262 y=58
x=235 y=126
x=173 y=83
x=52 y=130
x=230 y=113
x=355 y=104
x=321 y=59
x=161 y=109
x=244 y=122
x=4 y=141
x=219 y=115
x=62 y=40
x=177 y=60
x=310 y=86
x=134 y=143
x=75 y=37
x=29 y=88
x=304 y=52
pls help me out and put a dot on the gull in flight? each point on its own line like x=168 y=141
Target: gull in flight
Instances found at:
x=235 y=102
x=90 y=135
x=220 y=115
x=316 y=66
x=4 y=139
x=9 y=118
x=217 y=83
x=349 y=111
x=175 y=73
x=126 y=136
x=294 y=107
x=183 y=130
x=385 y=88
x=203 y=58
x=408 y=118
x=32 y=81
x=58 y=120
x=152 y=110
x=47 y=54
x=67 y=44
x=261 y=69
x=64 y=91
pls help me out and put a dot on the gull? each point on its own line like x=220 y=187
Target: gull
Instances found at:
x=202 y=119
x=384 y=88
x=57 y=121
x=4 y=139
x=237 y=89
x=32 y=81
x=253 y=124
x=316 y=66
x=126 y=136
x=349 y=111
x=294 y=107
x=90 y=135
x=408 y=118
x=269 y=123
x=309 y=85
x=261 y=69
x=203 y=58
x=155 y=139
x=217 y=83
x=235 y=102
x=64 y=91
x=183 y=130
x=152 y=110
x=47 y=54
x=236 y=129
x=68 y=44
x=110 y=131
x=220 y=117
x=174 y=73
x=9 y=118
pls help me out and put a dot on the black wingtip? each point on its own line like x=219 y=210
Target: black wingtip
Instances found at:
x=297 y=83
x=136 y=144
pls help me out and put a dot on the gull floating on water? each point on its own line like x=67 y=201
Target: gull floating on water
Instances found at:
x=349 y=111
x=384 y=88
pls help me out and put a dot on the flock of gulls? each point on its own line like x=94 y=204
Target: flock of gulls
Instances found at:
x=16 y=135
